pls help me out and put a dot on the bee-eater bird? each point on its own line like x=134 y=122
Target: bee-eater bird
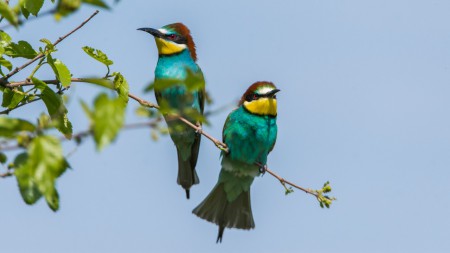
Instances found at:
x=249 y=132
x=176 y=61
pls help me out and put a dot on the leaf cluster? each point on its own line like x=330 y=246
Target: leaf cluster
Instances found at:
x=26 y=8
x=41 y=160
x=324 y=199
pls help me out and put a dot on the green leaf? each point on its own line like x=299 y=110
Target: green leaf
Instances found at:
x=46 y=157
x=55 y=107
x=11 y=98
x=3 y=158
x=121 y=86
x=33 y=6
x=48 y=45
x=98 y=55
x=193 y=115
x=86 y=109
x=24 y=11
x=66 y=7
x=62 y=73
x=108 y=118
x=100 y=82
x=161 y=84
x=22 y=49
x=10 y=127
x=25 y=179
x=326 y=187
x=145 y=112
x=5 y=63
x=149 y=87
x=52 y=198
x=8 y=13
x=5 y=40
x=44 y=121
x=98 y=3
x=194 y=81
x=39 y=169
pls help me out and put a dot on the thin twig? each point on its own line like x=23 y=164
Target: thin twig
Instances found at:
x=284 y=181
x=40 y=55
x=53 y=81
x=143 y=102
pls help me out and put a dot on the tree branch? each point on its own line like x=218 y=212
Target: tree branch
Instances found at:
x=222 y=146
x=284 y=182
x=40 y=55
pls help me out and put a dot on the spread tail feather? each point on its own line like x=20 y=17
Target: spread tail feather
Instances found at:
x=216 y=209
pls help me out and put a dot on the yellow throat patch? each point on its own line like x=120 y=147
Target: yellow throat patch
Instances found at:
x=167 y=47
x=262 y=106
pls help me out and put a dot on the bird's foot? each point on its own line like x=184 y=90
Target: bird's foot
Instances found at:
x=199 y=128
x=263 y=169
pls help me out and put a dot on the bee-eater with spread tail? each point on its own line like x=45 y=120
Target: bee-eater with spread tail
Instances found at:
x=177 y=59
x=249 y=132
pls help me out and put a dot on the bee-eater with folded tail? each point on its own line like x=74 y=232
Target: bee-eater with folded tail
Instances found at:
x=249 y=132
x=177 y=59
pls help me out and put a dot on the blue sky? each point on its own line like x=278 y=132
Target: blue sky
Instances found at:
x=364 y=104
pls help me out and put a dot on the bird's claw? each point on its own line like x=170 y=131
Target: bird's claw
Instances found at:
x=199 y=129
x=263 y=169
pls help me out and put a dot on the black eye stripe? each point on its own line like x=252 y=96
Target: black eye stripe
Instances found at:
x=176 y=38
x=255 y=96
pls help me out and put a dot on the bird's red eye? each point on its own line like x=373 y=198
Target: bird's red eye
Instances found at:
x=255 y=96
x=172 y=36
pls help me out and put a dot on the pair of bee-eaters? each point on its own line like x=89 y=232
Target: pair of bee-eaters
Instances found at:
x=249 y=132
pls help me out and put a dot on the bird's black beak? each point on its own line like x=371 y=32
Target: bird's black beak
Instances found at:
x=152 y=31
x=272 y=92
